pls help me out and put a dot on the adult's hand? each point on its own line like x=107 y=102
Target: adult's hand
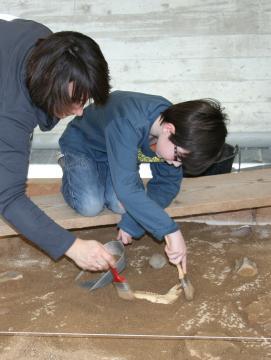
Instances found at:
x=90 y=255
x=124 y=237
x=176 y=249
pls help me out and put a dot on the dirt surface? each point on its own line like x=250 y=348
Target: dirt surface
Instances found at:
x=46 y=299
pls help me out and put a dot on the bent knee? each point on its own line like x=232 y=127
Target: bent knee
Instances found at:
x=85 y=207
x=91 y=208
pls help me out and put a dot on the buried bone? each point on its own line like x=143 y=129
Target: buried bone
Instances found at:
x=10 y=275
x=169 y=298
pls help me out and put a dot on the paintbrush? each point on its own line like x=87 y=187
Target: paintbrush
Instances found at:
x=188 y=288
x=122 y=286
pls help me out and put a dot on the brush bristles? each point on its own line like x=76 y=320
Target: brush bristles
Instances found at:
x=188 y=289
x=124 y=290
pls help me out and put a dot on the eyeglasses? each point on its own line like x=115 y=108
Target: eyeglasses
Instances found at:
x=177 y=157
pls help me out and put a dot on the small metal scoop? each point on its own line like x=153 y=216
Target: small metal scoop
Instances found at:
x=115 y=248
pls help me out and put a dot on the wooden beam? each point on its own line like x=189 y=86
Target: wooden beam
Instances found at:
x=256 y=216
x=201 y=195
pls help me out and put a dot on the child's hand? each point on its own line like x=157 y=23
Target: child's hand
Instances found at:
x=176 y=249
x=124 y=237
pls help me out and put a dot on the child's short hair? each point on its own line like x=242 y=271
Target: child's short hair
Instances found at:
x=200 y=127
x=59 y=59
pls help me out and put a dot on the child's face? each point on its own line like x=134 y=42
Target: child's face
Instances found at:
x=171 y=153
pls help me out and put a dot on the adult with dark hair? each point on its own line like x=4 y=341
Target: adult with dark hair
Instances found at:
x=100 y=162
x=44 y=77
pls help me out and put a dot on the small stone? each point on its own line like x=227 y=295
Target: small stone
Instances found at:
x=245 y=267
x=157 y=261
x=242 y=231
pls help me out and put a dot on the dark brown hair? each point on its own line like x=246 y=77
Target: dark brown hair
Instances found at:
x=62 y=58
x=200 y=128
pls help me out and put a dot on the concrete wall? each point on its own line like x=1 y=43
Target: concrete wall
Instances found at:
x=181 y=49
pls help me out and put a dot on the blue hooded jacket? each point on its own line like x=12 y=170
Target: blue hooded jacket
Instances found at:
x=114 y=133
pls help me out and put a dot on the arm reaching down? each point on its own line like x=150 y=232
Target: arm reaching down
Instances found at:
x=176 y=249
x=124 y=237
x=122 y=157
x=25 y=216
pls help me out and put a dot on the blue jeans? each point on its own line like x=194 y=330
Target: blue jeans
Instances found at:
x=87 y=186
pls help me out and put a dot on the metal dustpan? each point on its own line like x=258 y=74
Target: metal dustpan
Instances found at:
x=115 y=248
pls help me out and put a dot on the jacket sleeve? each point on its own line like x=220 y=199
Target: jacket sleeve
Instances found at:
x=132 y=227
x=122 y=142
x=165 y=183
x=15 y=206
x=162 y=188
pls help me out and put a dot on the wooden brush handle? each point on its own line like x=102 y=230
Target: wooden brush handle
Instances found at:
x=180 y=271
x=179 y=266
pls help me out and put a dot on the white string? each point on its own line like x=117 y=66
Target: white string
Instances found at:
x=135 y=336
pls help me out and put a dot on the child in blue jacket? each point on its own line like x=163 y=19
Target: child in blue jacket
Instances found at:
x=101 y=167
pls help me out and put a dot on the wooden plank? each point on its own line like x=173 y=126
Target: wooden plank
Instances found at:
x=256 y=216
x=221 y=193
x=37 y=187
x=202 y=195
x=238 y=217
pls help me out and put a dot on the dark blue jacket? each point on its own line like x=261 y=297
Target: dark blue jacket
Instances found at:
x=18 y=118
x=113 y=134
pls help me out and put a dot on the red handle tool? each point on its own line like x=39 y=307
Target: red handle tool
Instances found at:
x=116 y=276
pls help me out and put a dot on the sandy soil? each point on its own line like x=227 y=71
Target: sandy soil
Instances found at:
x=46 y=299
